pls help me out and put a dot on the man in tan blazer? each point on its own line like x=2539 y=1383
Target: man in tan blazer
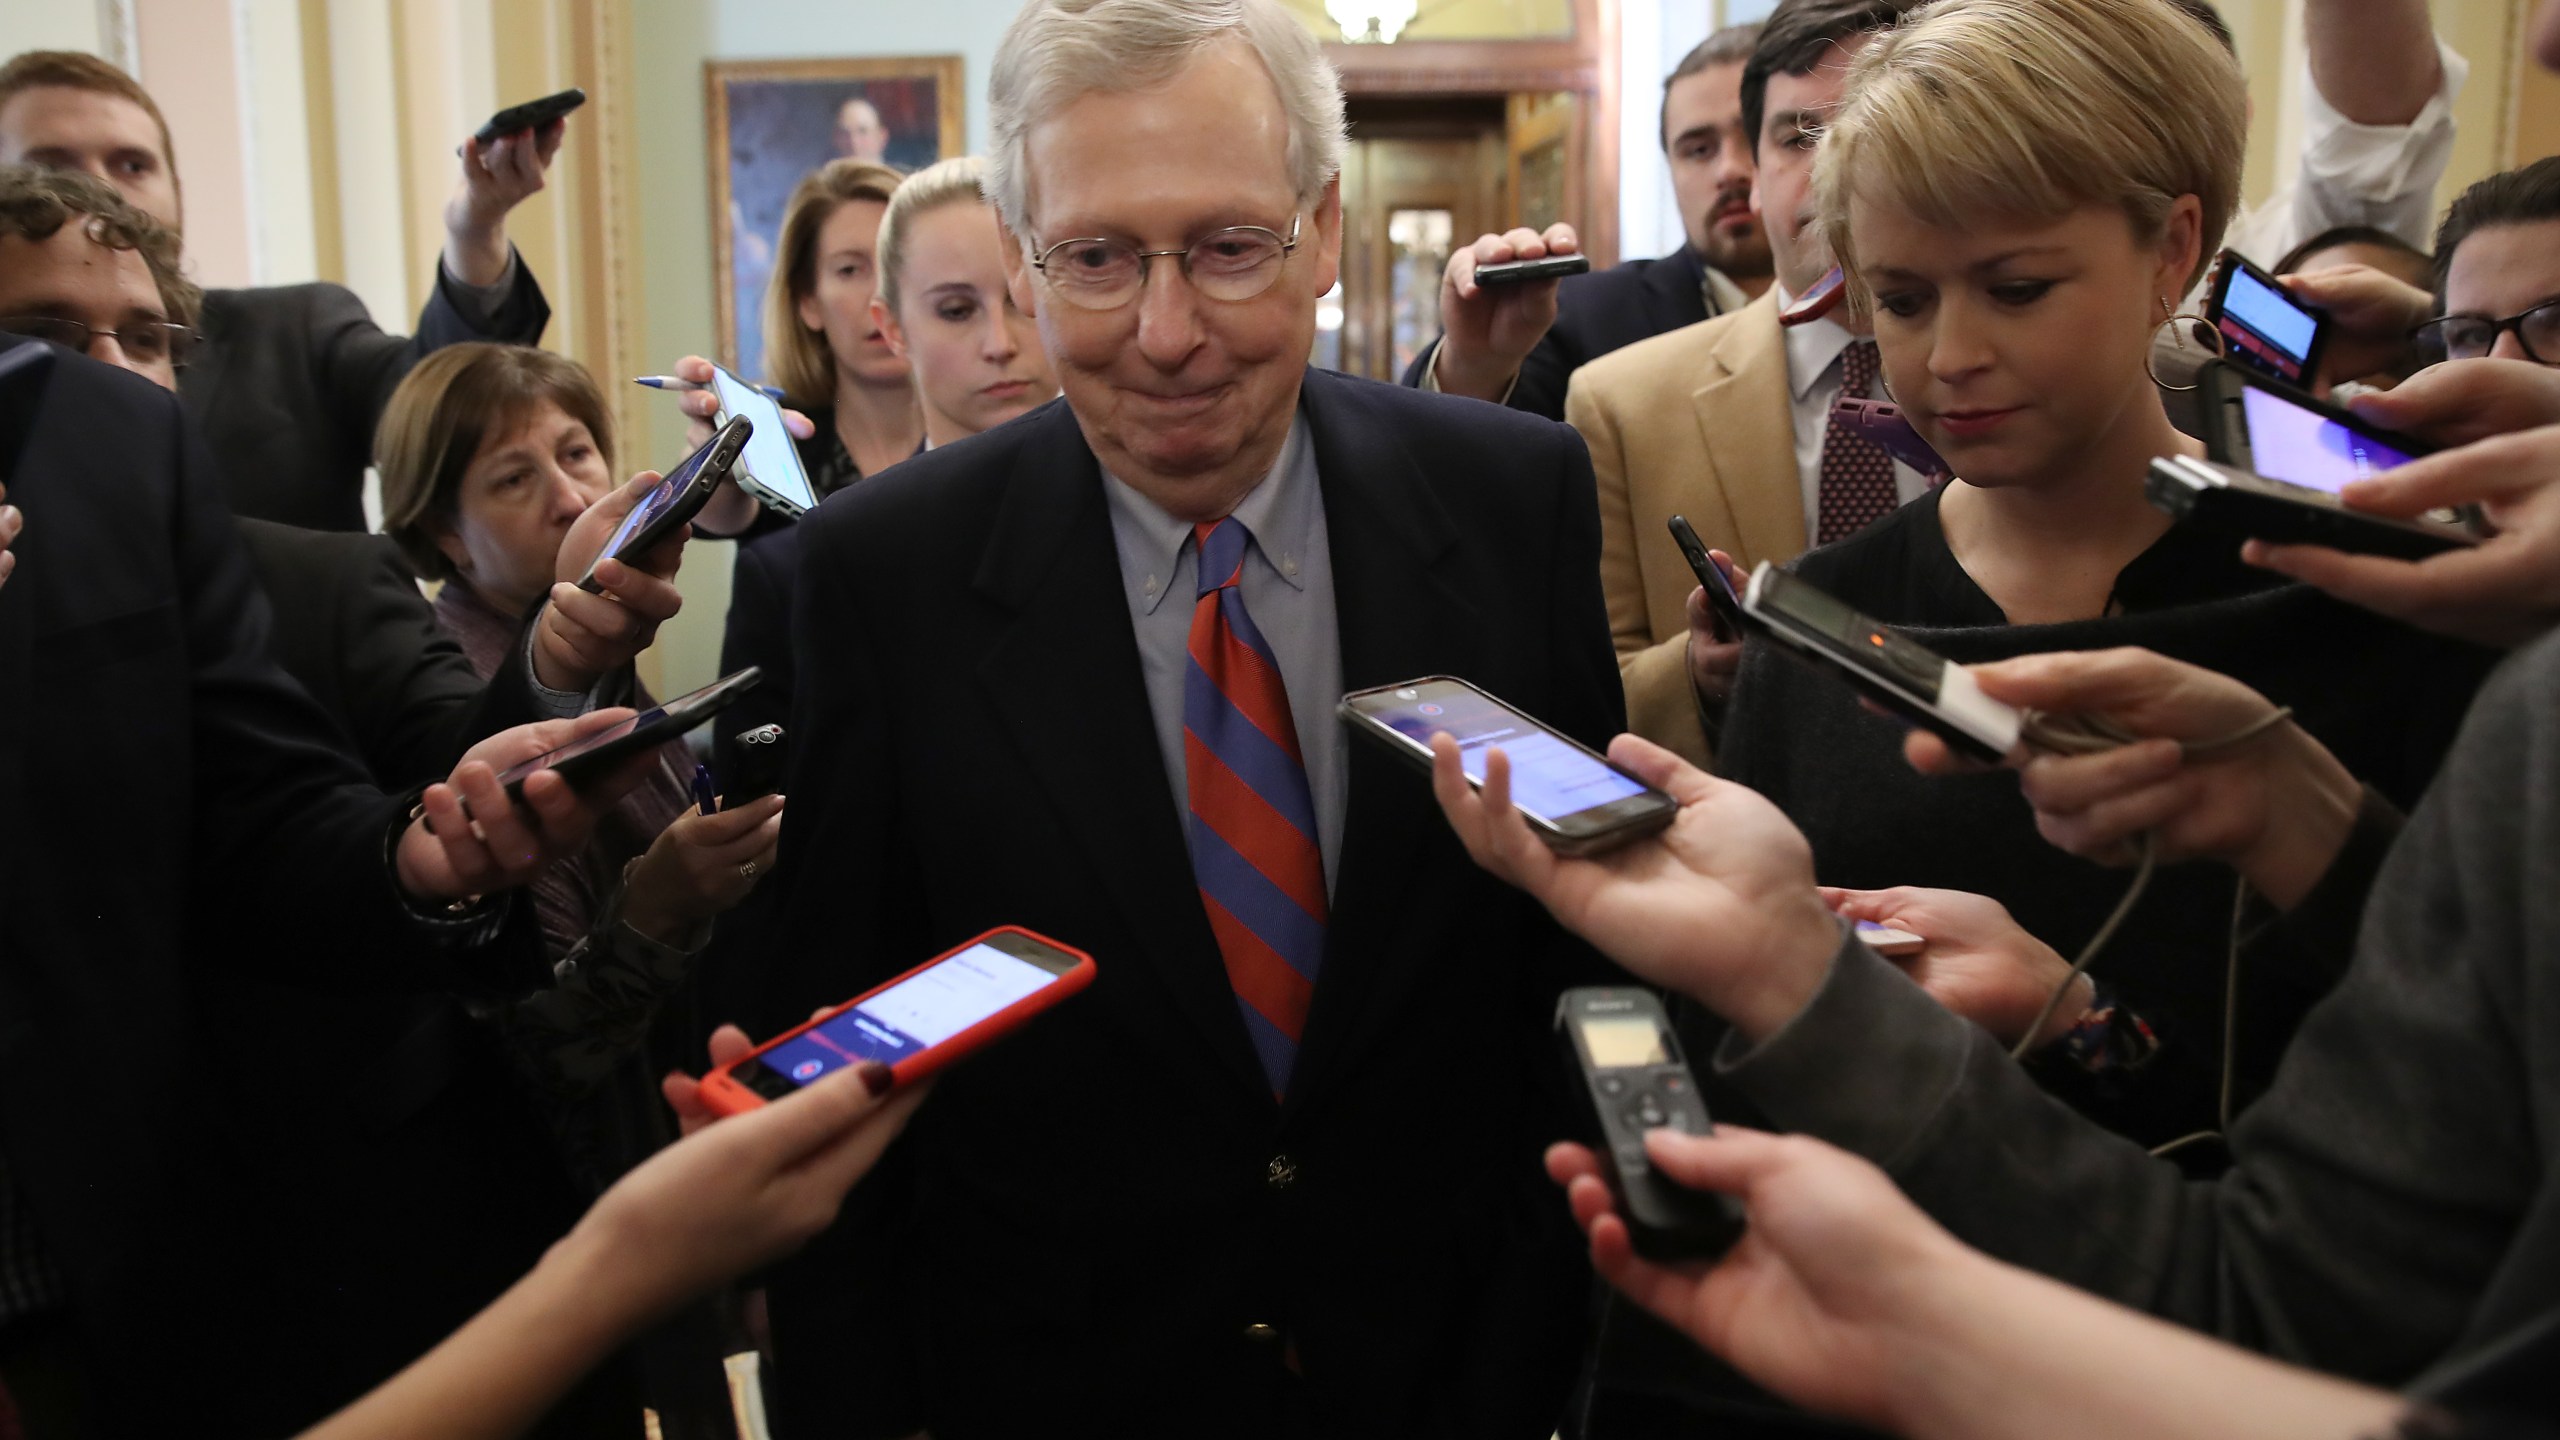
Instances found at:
x=1726 y=421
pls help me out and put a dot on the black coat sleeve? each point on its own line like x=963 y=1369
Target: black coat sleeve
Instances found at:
x=292 y=839
x=1543 y=377
x=357 y=365
x=844 y=1295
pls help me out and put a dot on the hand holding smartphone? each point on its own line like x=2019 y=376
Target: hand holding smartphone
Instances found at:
x=596 y=756
x=2262 y=325
x=1572 y=797
x=770 y=468
x=1732 y=621
x=679 y=497
x=917 y=1024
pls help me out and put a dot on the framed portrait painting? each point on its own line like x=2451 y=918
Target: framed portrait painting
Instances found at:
x=774 y=121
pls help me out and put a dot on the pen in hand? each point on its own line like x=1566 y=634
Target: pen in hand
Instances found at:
x=678 y=382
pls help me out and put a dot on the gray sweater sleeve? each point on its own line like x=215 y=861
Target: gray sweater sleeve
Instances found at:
x=2387 y=1183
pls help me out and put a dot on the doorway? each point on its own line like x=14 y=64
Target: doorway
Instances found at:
x=1420 y=178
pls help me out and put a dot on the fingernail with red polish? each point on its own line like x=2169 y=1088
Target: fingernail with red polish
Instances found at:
x=876 y=1077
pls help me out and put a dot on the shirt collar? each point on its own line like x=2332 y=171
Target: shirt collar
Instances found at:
x=1280 y=512
x=1813 y=348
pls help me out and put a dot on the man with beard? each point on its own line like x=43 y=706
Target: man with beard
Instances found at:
x=1519 y=346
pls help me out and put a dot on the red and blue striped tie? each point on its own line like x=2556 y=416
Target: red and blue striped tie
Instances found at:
x=1253 y=823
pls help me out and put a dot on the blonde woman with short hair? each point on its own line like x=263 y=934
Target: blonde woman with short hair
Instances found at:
x=2020 y=192
x=943 y=304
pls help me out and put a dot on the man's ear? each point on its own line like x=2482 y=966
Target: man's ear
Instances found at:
x=1328 y=220
x=1017 y=270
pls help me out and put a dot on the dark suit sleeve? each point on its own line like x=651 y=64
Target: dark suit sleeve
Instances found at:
x=1543 y=376
x=357 y=365
x=841 y=1300
x=411 y=697
x=1531 y=1315
x=292 y=839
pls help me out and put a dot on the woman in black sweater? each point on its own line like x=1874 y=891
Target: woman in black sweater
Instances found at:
x=2018 y=196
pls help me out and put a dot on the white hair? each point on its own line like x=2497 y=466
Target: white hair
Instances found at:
x=1057 y=51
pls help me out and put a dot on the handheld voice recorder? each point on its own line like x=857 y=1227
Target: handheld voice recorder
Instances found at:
x=1619 y=1040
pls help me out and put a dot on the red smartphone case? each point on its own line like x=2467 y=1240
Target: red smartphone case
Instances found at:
x=725 y=1094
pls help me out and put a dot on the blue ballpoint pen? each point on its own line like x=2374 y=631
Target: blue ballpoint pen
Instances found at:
x=677 y=382
x=703 y=793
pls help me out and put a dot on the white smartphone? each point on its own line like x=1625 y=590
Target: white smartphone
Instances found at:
x=770 y=470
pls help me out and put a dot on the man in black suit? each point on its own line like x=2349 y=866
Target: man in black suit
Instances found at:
x=1519 y=346
x=173 y=808
x=288 y=380
x=1211 y=1195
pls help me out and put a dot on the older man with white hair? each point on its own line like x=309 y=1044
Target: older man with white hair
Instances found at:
x=1277 y=1173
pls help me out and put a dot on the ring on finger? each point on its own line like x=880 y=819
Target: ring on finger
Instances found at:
x=748 y=869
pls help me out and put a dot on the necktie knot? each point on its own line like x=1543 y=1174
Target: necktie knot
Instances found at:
x=1221 y=544
x=1858 y=369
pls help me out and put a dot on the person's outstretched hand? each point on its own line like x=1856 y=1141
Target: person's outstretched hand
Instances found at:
x=1832 y=1288
x=1720 y=906
x=748 y=1190
x=1487 y=331
x=582 y=637
x=2504 y=591
x=470 y=839
x=1975 y=960
x=2370 y=317
x=2277 y=808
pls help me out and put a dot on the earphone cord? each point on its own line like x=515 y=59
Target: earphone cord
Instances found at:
x=2091 y=735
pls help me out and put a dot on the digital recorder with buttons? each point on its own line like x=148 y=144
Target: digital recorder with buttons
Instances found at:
x=1620 y=1040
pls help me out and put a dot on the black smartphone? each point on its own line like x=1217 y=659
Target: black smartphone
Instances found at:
x=2262 y=325
x=1575 y=800
x=531 y=115
x=1619 y=1041
x=583 y=761
x=1732 y=621
x=2259 y=424
x=679 y=497
x=2240 y=506
x=1521 y=272
x=759 y=766
x=1898 y=673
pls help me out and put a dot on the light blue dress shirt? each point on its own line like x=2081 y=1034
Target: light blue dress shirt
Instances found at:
x=1288 y=589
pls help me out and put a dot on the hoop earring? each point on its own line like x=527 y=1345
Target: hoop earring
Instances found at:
x=2170 y=316
x=1885 y=384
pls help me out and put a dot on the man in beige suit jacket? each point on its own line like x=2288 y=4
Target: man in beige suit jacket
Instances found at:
x=1712 y=421
x=1696 y=423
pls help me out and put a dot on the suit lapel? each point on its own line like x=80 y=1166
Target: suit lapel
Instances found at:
x=201 y=383
x=1065 y=680
x=1746 y=421
x=1399 y=617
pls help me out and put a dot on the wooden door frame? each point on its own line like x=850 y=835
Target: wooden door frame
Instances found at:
x=1584 y=63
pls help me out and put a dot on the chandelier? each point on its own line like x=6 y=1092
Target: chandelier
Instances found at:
x=1371 y=22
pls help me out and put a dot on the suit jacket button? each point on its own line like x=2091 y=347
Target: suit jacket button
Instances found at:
x=1281 y=1173
x=1261 y=1333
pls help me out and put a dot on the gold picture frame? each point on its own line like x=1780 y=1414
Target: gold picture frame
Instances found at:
x=772 y=121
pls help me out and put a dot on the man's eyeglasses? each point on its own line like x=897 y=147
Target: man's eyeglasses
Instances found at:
x=1236 y=263
x=147 y=341
x=2469 y=337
